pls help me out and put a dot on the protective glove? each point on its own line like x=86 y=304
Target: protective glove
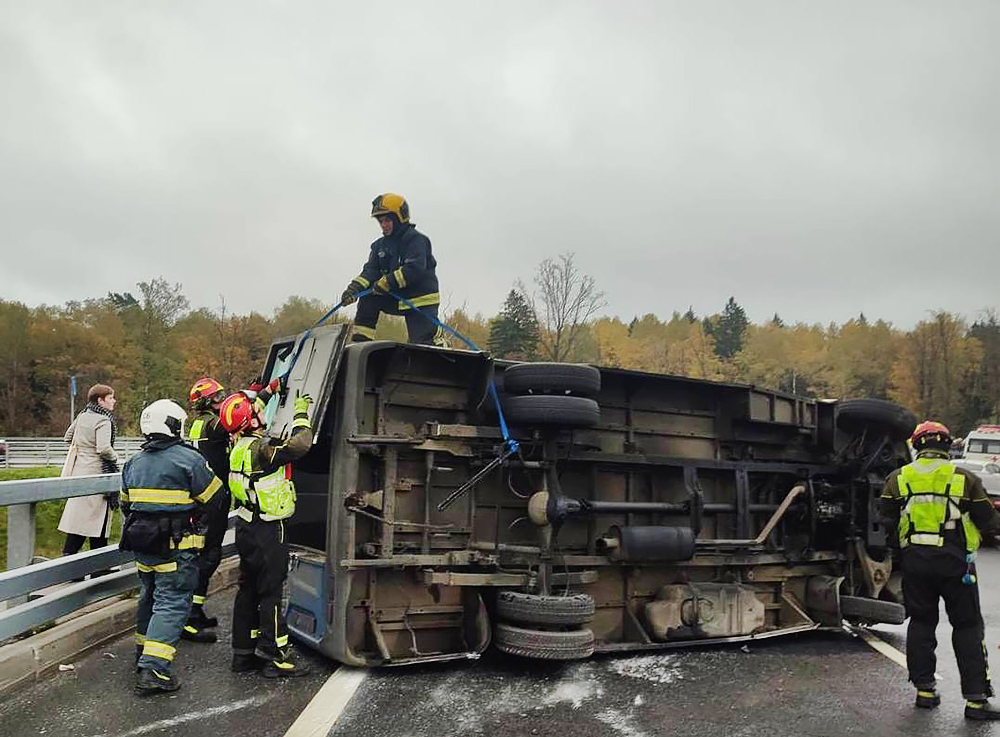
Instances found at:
x=275 y=386
x=382 y=286
x=302 y=402
x=350 y=294
x=112 y=500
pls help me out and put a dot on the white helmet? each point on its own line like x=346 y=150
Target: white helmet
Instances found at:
x=163 y=417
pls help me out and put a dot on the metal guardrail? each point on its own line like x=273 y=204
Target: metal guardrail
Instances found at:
x=32 y=452
x=24 y=578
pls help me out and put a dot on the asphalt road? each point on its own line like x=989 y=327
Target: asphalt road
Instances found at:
x=96 y=699
x=811 y=684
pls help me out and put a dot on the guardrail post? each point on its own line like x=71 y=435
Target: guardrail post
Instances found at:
x=20 y=540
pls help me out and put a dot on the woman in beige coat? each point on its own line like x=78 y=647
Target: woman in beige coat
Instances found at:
x=92 y=434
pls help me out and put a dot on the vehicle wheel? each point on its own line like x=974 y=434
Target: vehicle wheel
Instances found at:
x=553 y=378
x=541 y=409
x=871 y=610
x=551 y=610
x=853 y=415
x=544 y=645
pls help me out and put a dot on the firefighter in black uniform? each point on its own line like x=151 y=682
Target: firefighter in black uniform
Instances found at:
x=211 y=440
x=260 y=480
x=166 y=489
x=939 y=512
x=400 y=262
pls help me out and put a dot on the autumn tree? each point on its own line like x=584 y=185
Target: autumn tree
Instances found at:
x=298 y=314
x=936 y=365
x=160 y=306
x=569 y=300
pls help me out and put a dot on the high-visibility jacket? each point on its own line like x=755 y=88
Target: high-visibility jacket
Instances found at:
x=934 y=500
x=210 y=438
x=260 y=472
x=271 y=495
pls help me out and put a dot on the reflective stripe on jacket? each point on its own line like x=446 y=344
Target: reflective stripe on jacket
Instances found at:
x=933 y=495
x=271 y=495
x=169 y=482
x=406 y=263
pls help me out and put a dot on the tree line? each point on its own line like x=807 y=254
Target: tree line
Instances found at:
x=149 y=344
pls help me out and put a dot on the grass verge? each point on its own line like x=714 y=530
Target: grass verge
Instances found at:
x=48 y=539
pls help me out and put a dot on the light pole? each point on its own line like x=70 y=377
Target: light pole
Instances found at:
x=72 y=397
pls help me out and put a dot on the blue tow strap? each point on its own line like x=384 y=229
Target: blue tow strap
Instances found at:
x=511 y=445
x=307 y=333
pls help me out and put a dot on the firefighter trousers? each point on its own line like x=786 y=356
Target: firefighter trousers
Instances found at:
x=211 y=554
x=419 y=329
x=930 y=575
x=164 y=604
x=258 y=621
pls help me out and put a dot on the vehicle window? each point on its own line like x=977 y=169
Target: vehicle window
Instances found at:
x=282 y=358
x=312 y=374
x=984 y=446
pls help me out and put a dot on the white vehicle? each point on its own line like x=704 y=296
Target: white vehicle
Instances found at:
x=983 y=444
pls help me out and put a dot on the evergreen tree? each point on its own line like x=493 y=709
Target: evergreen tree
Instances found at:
x=514 y=333
x=728 y=329
x=689 y=315
x=777 y=321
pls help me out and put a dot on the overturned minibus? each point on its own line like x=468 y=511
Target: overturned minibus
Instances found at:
x=640 y=512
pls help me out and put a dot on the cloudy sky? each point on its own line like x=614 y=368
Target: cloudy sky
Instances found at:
x=811 y=158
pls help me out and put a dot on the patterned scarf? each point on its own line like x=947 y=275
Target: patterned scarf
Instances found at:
x=108 y=466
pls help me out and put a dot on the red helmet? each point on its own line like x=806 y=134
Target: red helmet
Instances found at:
x=206 y=390
x=930 y=431
x=237 y=412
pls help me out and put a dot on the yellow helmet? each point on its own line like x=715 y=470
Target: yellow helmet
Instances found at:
x=388 y=203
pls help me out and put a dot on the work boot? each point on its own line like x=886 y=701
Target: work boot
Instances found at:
x=286 y=668
x=927 y=698
x=243 y=663
x=981 y=711
x=149 y=681
x=193 y=634
x=199 y=620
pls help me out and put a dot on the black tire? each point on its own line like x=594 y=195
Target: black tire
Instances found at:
x=854 y=415
x=544 y=409
x=553 y=378
x=546 y=610
x=871 y=610
x=542 y=644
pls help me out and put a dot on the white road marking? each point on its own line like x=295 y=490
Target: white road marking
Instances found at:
x=173 y=722
x=319 y=716
x=883 y=647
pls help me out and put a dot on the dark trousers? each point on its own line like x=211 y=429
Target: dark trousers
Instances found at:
x=74 y=543
x=258 y=622
x=211 y=554
x=419 y=329
x=929 y=575
x=163 y=606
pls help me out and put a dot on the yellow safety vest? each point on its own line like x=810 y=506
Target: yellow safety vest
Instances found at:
x=271 y=495
x=195 y=433
x=932 y=492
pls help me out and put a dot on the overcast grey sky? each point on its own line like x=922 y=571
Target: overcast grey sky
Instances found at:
x=814 y=159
